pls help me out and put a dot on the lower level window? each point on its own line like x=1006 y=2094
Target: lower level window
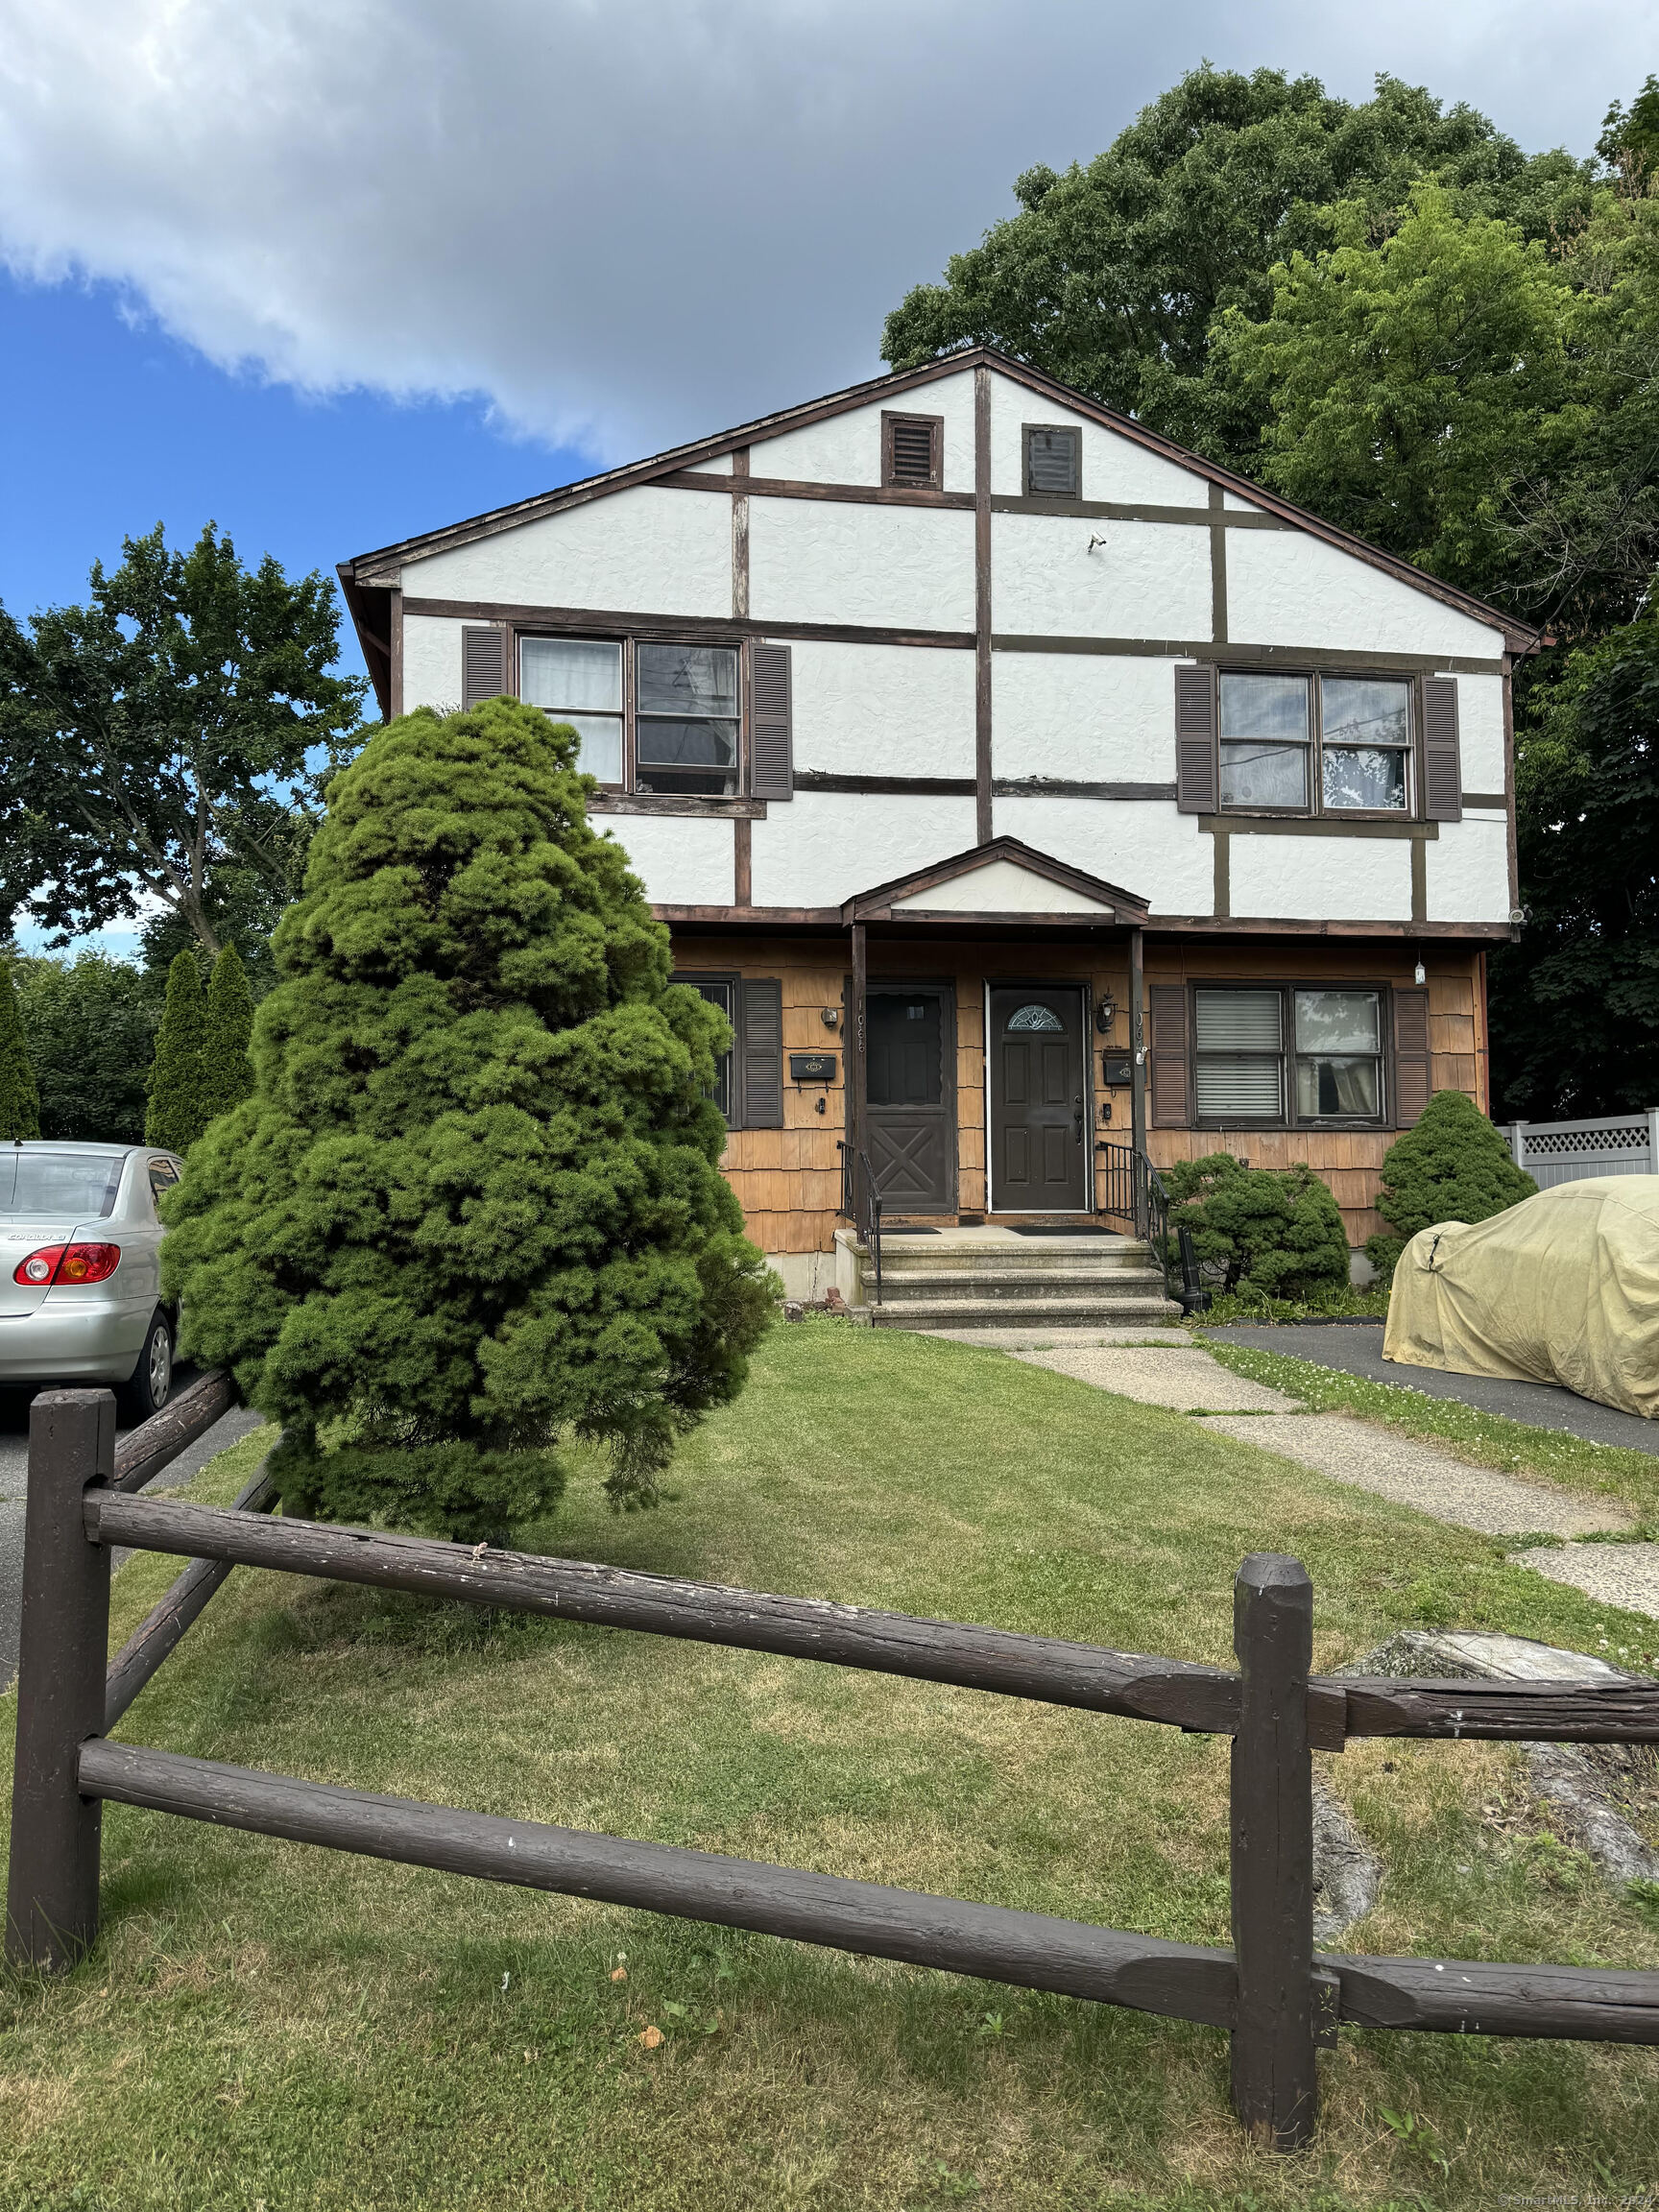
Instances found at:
x=1272 y=1054
x=724 y=997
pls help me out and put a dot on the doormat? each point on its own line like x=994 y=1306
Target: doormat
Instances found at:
x=1083 y=1229
x=909 y=1232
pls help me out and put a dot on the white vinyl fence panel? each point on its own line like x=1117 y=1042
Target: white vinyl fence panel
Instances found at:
x=1555 y=1152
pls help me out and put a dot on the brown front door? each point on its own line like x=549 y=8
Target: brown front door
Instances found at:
x=1039 y=1110
x=910 y=1094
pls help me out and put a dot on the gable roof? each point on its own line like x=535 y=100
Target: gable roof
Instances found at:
x=368 y=570
x=924 y=893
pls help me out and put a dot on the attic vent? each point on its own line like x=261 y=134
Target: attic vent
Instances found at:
x=910 y=450
x=1053 y=462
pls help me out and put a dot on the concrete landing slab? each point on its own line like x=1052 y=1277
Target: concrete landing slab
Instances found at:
x=1624 y=1575
x=1188 y=1381
x=1413 y=1473
x=1061 y=1339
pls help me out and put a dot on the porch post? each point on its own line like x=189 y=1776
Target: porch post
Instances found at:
x=1138 y=1070
x=855 y=1086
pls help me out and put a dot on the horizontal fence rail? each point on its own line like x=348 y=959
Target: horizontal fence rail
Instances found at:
x=146 y=1450
x=1279 y=1999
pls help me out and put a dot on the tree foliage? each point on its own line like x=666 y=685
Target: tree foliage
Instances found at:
x=177 y=1116
x=1452 y=1166
x=92 y=1028
x=158 y=743
x=474 y=1203
x=227 y=1071
x=19 y=1098
x=1272 y=1232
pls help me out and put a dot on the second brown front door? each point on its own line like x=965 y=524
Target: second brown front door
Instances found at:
x=910 y=1092
x=1039 y=1103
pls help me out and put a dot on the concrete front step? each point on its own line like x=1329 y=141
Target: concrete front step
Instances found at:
x=1012 y=1312
x=1109 y=1287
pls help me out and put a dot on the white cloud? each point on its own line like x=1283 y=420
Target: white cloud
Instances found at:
x=630 y=222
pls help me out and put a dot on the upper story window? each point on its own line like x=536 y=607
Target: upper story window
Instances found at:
x=1053 y=462
x=913 y=451
x=652 y=715
x=1315 y=744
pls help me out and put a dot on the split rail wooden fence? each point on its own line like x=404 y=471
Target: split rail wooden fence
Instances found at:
x=1276 y=1996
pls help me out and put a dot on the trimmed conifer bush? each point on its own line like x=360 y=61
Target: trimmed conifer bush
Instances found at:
x=1272 y=1232
x=1453 y=1166
x=227 y=1071
x=174 y=1116
x=473 y=1205
x=19 y=1099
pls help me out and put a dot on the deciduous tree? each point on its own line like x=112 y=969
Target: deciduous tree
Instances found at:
x=19 y=1099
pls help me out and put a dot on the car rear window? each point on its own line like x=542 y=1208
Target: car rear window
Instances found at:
x=82 y=1184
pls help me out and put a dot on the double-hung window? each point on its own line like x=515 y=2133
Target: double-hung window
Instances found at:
x=1315 y=744
x=652 y=715
x=1276 y=1055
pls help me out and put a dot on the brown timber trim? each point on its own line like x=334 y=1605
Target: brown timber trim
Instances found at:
x=740 y=480
x=691 y=805
x=742 y=860
x=1419 y=879
x=1218 y=511
x=395 y=655
x=963 y=865
x=834 y=919
x=801 y=487
x=1316 y=825
x=1497 y=801
x=897 y=786
x=712 y=629
x=1222 y=891
x=1300 y=658
x=1290 y=925
x=1509 y=782
x=982 y=604
x=1063 y=787
x=1132 y=510
x=994 y=917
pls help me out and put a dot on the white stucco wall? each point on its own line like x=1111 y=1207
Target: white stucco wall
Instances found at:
x=683 y=862
x=1148 y=579
x=883 y=710
x=1141 y=845
x=1467 y=875
x=720 y=465
x=1480 y=731
x=643 y=551
x=1320 y=878
x=823 y=846
x=1112 y=467
x=1085 y=716
x=846 y=448
x=1285 y=587
x=1231 y=501
x=892 y=567
x=431 y=662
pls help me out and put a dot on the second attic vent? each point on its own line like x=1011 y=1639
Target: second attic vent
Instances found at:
x=911 y=449
x=1053 y=462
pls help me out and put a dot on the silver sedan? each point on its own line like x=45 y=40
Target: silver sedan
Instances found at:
x=80 y=1268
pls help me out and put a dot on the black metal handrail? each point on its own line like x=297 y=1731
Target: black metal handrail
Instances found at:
x=1135 y=1193
x=861 y=1204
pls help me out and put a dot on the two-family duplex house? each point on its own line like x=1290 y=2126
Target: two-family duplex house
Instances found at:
x=1024 y=787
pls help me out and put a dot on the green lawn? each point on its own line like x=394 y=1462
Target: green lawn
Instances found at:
x=267 y=2026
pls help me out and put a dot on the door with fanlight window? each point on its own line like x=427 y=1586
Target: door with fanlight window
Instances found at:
x=1039 y=1079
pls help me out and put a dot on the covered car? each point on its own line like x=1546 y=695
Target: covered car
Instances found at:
x=1562 y=1289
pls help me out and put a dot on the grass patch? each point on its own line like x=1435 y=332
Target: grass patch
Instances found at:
x=263 y=2024
x=1482 y=1439
x=1347 y=1303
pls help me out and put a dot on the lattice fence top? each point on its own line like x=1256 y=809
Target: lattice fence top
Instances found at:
x=1586 y=1137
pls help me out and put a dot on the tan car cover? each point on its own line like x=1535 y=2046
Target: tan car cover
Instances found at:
x=1562 y=1289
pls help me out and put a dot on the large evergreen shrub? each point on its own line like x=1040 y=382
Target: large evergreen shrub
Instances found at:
x=474 y=1203
x=227 y=1071
x=174 y=1116
x=19 y=1099
x=1273 y=1232
x=1453 y=1166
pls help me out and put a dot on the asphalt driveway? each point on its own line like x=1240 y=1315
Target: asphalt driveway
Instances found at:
x=1357 y=1350
x=14 y=1485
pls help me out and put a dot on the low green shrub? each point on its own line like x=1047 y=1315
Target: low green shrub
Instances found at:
x=1453 y=1166
x=1268 y=1231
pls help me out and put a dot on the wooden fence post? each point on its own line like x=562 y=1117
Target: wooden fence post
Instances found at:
x=51 y=1881
x=1275 y=2086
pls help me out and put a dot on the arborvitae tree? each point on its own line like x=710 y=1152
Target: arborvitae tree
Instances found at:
x=19 y=1099
x=227 y=1071
x=474 y=1204
x=1453 y=1166
x=175 y=1117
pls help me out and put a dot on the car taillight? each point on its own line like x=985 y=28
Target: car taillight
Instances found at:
x=68 y=1264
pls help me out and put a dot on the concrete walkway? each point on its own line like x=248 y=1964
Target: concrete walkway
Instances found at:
x=1189 y=1381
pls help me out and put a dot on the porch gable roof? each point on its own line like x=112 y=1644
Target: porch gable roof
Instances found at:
x=1001 y=880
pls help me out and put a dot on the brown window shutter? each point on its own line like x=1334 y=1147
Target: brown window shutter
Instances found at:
x=483 y=665
x=762 y=1053
x=1442 y=766
x=771 y=746
x=912 y=450
x=1171 y=1093
x=1412 y=1078
x=1196 y=789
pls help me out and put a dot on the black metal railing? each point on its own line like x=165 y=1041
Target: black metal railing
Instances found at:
x=1134 y=1194
x=861 y=1205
